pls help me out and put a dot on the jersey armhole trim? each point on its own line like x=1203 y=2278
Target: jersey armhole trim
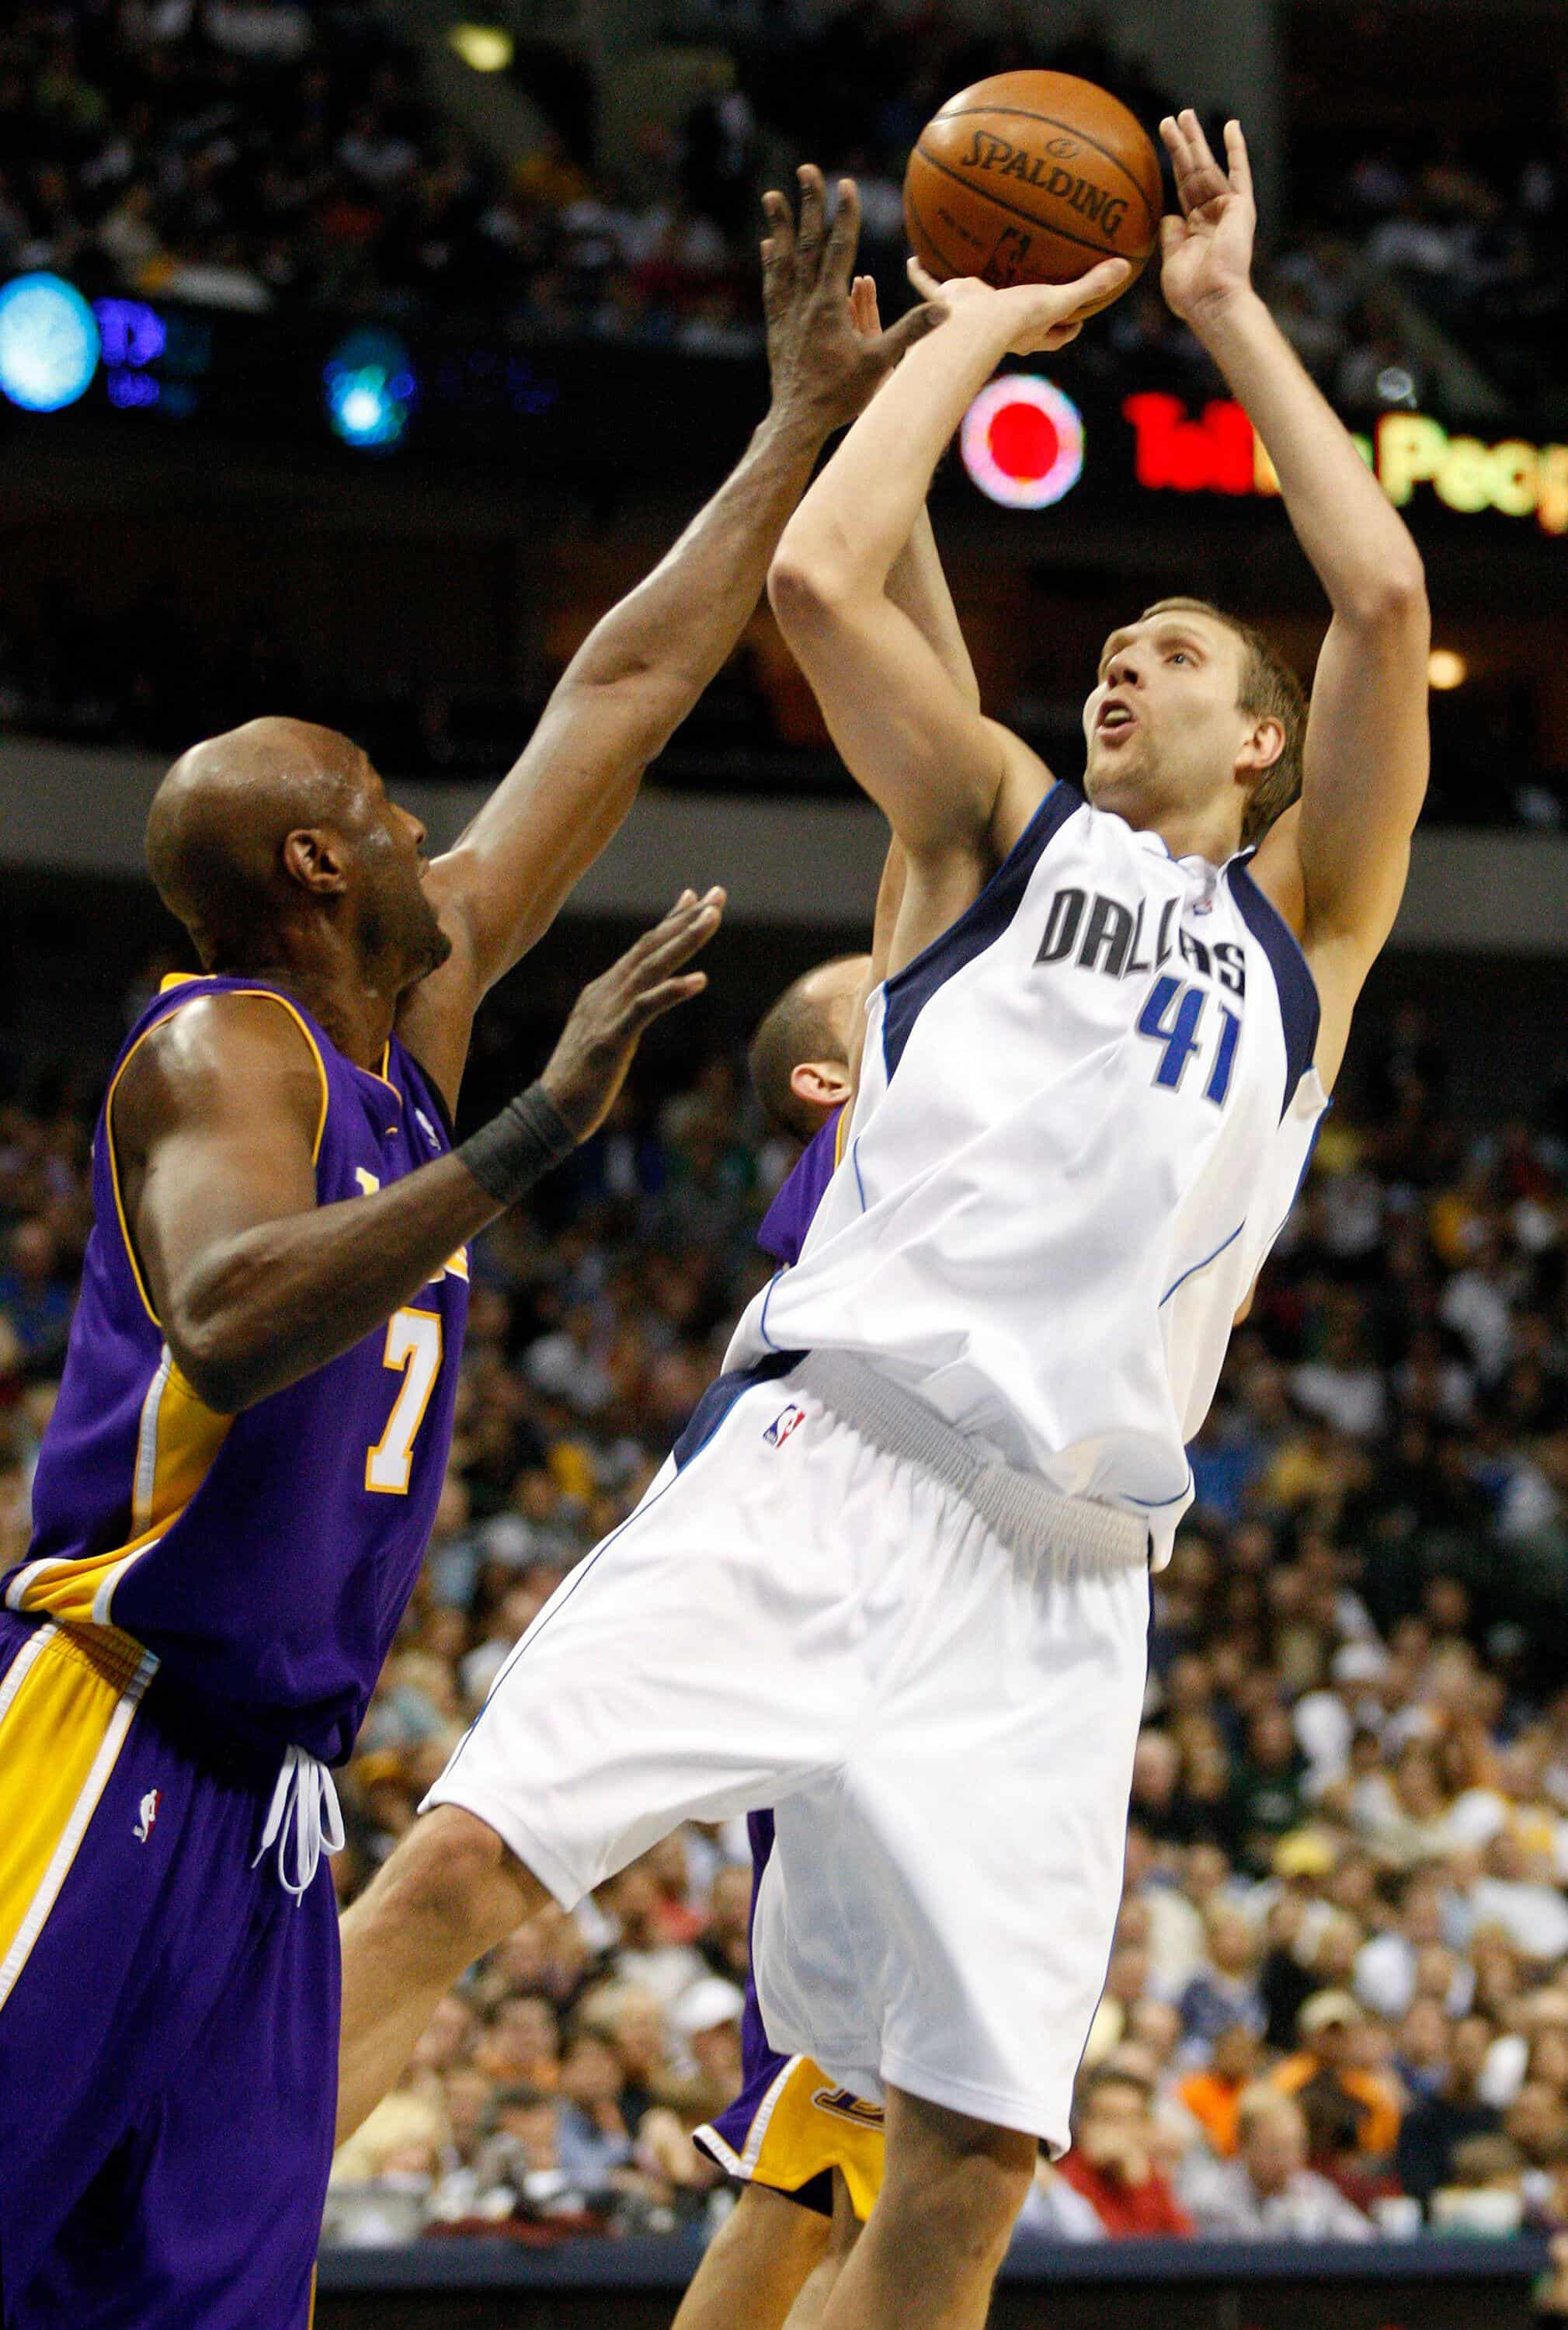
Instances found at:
x=1300 y=1011
x=409 y=1061
x=271 y=996
x=982 y=922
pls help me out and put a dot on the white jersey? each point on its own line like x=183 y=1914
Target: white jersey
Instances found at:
x=1083 y=1115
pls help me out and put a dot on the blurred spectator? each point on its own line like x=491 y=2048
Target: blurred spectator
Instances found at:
x=1111 y=2164
x=1267 y=2191
x=1213 y=2095
x=1324 y=2070
x=1433 y=2129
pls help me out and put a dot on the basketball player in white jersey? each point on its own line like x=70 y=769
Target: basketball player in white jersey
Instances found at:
x=894 y=1579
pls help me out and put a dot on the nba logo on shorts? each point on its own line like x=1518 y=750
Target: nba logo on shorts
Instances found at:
x=779 y=1431
x=148 y=1812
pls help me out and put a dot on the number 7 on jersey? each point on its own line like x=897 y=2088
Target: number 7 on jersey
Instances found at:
x=413 y=1347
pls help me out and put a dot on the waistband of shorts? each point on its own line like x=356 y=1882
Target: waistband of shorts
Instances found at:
x=1073 y=1534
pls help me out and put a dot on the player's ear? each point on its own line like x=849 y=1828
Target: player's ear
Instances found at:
x=313 y=858
x=821 y=1084
x=1262 y=747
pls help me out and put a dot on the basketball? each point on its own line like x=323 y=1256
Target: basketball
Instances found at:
x=1032 y=177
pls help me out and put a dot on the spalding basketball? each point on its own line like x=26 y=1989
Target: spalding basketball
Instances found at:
x=1032 y=177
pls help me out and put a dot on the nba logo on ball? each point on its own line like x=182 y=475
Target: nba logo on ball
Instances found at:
x=1022 y=441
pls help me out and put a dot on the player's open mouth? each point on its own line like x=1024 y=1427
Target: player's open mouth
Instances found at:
x=1114 y=720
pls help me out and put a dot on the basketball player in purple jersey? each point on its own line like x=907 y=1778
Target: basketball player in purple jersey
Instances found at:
x=233 y=1497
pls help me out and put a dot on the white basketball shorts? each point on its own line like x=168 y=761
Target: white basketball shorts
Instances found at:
x=942 y=1722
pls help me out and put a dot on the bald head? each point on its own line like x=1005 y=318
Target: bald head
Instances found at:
x=219 y=820
x=812 y=1024
x=277 y=846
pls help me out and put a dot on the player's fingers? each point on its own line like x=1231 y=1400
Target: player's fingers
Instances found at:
x=900 y=337
x=863 y=308
x=924 y=281
x=687 y=906
x=1176 y=146
x=656 y=1000
x=1239 y=159
x=780 y=228
x=809 y=237
x=1197 y=142
x=843 y=240
x=1172 y=234
x=1108 y=275
x=676 y=941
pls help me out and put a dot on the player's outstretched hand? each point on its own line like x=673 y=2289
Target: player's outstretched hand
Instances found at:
x=1040 y=317
x=824 y=365
x=588 y=1066
x=1206 y=253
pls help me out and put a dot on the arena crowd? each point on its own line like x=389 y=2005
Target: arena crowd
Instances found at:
x=260 y=154
x=1337 y=2001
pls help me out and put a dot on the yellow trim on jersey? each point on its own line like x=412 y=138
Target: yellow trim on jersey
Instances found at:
x=185 y=978
x=66 y=1705
x=841 y=1134
x=179 y=1435
x=177 y=1439
x=805 y=2125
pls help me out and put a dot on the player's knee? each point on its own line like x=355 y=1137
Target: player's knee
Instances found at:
x=960 y=2173
x=454 y=1876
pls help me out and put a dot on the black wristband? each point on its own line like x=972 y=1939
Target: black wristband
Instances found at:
x=510 y=1154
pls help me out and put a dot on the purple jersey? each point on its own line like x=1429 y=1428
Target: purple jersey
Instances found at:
x=266 y=1558
x=788 y=1217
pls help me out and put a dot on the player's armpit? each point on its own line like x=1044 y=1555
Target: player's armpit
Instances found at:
x=213 y=1121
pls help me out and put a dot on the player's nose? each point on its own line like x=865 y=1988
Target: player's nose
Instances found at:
x=1123 y=671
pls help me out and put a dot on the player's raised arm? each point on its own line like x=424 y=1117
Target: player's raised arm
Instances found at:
x=1337 y=867
x=645 y=664
x=215 y=1124
x=916 y=742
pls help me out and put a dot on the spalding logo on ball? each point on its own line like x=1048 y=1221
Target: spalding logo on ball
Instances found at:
x=1032 y=177
x=1022 y=441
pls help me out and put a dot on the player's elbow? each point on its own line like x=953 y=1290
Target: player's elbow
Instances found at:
x=808 y=591
x=1393 y=598
x=212 y=1368
x=215 y=1345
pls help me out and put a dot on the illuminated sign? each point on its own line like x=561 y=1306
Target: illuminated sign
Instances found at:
x=1220 y=453
x=49 y=344
x=371 y=390
x=1520 y=480
x=1022 y=441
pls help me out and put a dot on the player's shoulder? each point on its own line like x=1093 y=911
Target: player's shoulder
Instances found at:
x=219 y=1048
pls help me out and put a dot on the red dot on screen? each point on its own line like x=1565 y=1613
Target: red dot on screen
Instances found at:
x=1023 y=441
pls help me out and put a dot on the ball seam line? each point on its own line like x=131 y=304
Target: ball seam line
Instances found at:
x=1030 y=218
x=1024 y=113
x=930 y=241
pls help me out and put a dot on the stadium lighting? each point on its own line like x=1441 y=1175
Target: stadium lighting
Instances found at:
x=371 y=390
x=1022 y=441
x=1446 y=668
x=483 y=48
x=49 y=343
